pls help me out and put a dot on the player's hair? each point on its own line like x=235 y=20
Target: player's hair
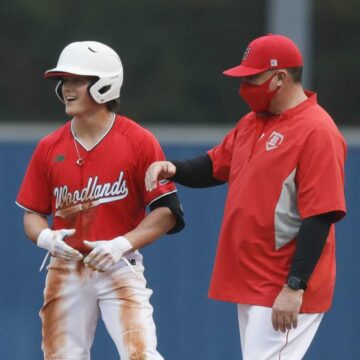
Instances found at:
x=114 y=105
x=296 y=73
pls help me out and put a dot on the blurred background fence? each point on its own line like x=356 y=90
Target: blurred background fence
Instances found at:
x=174 y=53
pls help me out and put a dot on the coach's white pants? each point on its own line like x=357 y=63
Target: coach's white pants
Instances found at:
x=74 y=297
x=259 y=341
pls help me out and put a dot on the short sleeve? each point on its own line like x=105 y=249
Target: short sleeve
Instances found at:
x=150 y=152
x=320 y=175
x=221 y=156
x=34 y=193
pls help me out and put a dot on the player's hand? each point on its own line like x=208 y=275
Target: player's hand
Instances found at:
x=157 y=171
x=285 y=310
x=53 y=241
x=106 y=253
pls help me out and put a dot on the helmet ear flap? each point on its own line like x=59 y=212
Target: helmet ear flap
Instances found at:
x=105 y=89
x=91 y=84
x=58 y=90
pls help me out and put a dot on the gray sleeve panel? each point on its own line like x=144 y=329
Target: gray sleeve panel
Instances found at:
x=287 y=219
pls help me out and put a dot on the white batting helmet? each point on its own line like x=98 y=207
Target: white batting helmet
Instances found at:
x=93 y=59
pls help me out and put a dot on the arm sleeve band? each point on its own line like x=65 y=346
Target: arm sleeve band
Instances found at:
x=310 y=243
x=196 y=172
x=171 y=201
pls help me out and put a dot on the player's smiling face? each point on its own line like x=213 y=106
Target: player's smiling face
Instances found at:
x=76 y=96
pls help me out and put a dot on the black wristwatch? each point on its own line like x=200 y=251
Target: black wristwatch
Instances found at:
x=295 y=283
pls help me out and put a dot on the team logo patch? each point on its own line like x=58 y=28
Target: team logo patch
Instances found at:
x=59 y=158
x=274 y=141
x=246 y=54
x=273 y=62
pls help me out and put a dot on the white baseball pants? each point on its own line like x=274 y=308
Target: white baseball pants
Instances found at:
x=75 y=295
x=259 y=341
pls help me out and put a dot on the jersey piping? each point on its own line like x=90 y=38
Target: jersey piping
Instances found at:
x=27 y=209
x=161 y=196
x=99 y=140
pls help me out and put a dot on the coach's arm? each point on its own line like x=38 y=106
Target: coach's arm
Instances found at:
x=196 y=173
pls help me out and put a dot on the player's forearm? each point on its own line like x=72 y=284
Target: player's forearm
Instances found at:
x=157 y=223
x=33 y=225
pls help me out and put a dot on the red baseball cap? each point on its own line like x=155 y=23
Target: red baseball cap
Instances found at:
x=266 y=53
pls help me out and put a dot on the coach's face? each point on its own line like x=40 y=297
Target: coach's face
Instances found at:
x=77 y=99
x=258 y=79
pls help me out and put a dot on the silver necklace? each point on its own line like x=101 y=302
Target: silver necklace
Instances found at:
x=80 y=160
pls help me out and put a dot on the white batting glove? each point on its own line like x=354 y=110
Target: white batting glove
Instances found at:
x=53 y=242
x=105 y=254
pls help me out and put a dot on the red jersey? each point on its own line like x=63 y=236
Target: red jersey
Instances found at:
x=281 y=169
x=104 y=197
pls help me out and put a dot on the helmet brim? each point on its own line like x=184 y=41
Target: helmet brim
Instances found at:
x=58 y=75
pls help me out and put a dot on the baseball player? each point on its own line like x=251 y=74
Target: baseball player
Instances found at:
x=89 y=177
x=284 y=165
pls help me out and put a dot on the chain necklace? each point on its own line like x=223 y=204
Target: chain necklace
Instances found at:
x=80 y=160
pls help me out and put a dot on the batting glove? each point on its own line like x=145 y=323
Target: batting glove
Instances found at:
x=53 y=242
x=105 y=254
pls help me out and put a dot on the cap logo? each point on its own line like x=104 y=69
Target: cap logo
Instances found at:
x=273 y=62
x=246 y=54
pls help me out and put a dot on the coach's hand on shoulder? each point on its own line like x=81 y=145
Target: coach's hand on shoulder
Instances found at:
x=106 y=253
x=53 y=241
x=157 y=171
x=285 y=310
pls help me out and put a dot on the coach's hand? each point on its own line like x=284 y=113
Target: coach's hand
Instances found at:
x=157 y=171
x=53 y=241
x=285 y=310
x=106 y=253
